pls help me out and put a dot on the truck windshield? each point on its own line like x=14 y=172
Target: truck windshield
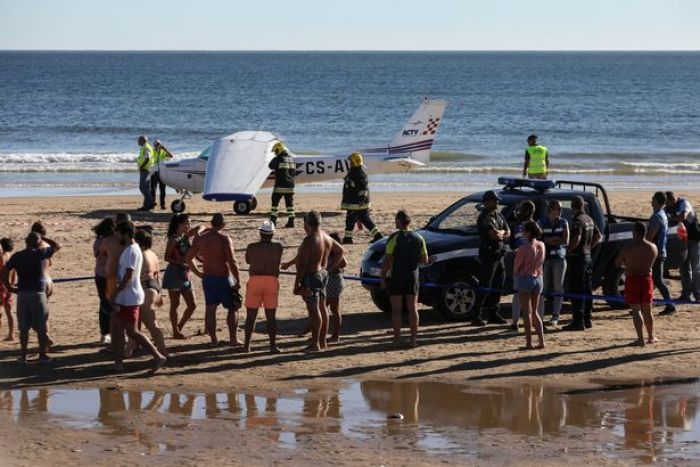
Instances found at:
x=462 y=217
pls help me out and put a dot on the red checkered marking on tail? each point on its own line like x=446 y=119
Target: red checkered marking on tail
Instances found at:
x=432 y=126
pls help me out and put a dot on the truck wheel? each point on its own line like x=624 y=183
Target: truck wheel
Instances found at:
x=177 y=206
x=614 y=286
x=381 y=300
x=242 y=207
x=458 y=298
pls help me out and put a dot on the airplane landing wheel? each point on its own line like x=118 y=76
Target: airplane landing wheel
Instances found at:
x=242 y=207
x=178 y=206
x=253 y=203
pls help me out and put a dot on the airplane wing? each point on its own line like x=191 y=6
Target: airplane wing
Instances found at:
x=405 y=162
x=238 y=166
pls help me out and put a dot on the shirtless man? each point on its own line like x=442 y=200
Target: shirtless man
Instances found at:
x=38 y=228
x=111 y=248
x=637 y=258
x=312 y=276
x=263 y=287
x=218 y=265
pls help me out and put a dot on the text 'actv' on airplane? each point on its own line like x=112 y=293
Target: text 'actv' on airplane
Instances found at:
x=234 y=168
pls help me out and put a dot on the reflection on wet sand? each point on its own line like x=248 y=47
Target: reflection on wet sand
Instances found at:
x=648 y=423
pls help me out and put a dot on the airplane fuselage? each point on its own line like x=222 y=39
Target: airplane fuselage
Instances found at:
x=188 y=174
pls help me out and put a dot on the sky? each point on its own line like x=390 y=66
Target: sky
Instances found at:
x=350 y=25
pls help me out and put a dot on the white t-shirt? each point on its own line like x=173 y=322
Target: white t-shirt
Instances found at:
x=132 y=294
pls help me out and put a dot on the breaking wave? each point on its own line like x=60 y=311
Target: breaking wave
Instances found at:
x=449 y=162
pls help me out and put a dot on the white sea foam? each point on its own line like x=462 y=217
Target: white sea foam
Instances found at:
x=71 y=162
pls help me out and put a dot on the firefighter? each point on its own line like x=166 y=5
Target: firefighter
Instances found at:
x=356 y=200
x=285 y=169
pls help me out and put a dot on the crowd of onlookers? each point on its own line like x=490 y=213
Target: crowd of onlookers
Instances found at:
x=130 y=285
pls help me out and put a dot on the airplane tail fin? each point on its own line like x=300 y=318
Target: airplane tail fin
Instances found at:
x=416 y=137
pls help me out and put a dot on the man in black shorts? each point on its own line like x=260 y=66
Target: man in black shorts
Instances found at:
x=405 y=251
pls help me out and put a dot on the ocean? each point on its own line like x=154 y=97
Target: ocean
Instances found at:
x=630 y=120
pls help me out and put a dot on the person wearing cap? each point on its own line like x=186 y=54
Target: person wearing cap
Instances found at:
x=285 y=170
x=264 y=258
x=536 y=159
x=219 y=274
x=160 y=154
x=356 y=200
x=32 y=306
x=584 y=236
x=493 y=232
x=145 y=163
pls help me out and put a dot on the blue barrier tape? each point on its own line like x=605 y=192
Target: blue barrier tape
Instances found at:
x=370 y=280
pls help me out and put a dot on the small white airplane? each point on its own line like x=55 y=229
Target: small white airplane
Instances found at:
x=234 y=168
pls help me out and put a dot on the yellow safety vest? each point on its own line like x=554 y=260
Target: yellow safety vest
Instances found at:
x=538 y=156
x=161 y=156
x=142 y=157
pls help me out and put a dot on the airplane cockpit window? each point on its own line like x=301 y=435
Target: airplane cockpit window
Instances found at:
x=205 y=154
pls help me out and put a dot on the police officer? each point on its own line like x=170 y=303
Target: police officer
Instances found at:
x=145 y=162
x=536 y=159
x=356 y=199
x=285 y=170
x=493 y=232
x=161 y=154
x=680 y=210
x=584 y=236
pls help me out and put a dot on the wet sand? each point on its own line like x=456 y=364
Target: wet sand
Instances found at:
x=453 y=352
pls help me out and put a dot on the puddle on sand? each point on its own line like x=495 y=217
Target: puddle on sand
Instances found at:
x=647 y=423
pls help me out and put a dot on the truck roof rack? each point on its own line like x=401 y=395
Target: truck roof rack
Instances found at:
x=586 y=186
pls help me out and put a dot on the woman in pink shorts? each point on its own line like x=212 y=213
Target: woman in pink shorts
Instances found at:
x=527 y=267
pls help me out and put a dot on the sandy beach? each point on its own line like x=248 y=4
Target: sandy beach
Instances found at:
x=449 y=352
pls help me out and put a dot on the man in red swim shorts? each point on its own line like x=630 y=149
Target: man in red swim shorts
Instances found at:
x=637 y=258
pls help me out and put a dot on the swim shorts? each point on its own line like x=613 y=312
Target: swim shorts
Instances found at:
x=336 y=284
x=405 y=285
x=262 y=291
x=315 y=284
x=529 y=284
x=639 y=289
x=151 y=283
x=32 y=311
x=5 y=296
x=177 y=277
x=217 y=291
x=129 y=314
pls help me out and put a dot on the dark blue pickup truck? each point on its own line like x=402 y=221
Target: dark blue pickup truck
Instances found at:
x=447 y=284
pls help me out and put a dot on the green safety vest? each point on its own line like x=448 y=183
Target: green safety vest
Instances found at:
x=142 y=157
x=538 y=156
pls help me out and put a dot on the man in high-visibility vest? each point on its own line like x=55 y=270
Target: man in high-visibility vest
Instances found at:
x=160 y=154
x=536 y=160
x=145 y=162
x=356 y=200
x=285 y=170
